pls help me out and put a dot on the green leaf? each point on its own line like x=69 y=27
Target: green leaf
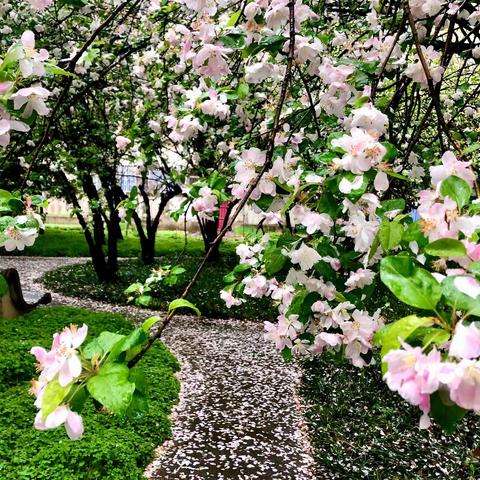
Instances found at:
x=391 y=153
x=445 y=412
x=132 y=344
x=234 y=18
x=446 y=247
x=57 y=70
x=474 y=267
x=274 y=260
x=233 y=40
x=459 y=300
x=272 y=43
x=138 y=406
x=182 y=303
x=112 y=388
x=390 y=235
x=144 y=300
x=435 y=336
x=410 y=284
x=149 y=323
x=101 y=345
x=53 y=396
x=457 y=189
x=399 y=330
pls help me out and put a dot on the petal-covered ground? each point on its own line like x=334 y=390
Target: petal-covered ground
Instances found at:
x=239 y=416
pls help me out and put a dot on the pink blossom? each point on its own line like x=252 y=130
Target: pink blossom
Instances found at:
x=122 y=142
x=33 y=99
x=63 y=359
x=40 y=4
x=32 y=61
x=256 y=286
x=451 y=166
x=465 y=385
x=305 y=256
x=381 y=182
x=465 y=342
x=61 y=415
x=229 y=299
x=207 y=203
x=360 y=279
x=210 y=62
x=362 y=151
x=370 y=119
x=467 y=285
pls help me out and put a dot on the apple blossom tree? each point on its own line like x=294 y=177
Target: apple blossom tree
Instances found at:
x=352 y=127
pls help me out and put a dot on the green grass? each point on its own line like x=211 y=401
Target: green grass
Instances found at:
x=69 y=241
x=112 y=448
x=362 y=430
x=80 y=281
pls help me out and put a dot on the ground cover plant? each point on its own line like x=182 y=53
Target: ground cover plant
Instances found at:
x=80 y=281
x=113 y=448
x=361 y=430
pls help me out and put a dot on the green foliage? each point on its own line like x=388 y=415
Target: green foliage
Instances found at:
x=81 y=281
x=411 y=284
x=182 y=303
x=113 y=448
x=360 y=430
x=457 y=189
x=446 y=247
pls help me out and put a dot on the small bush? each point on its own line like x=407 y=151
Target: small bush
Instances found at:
x=112 y=448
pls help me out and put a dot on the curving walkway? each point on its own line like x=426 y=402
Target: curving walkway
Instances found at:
x=239 y=417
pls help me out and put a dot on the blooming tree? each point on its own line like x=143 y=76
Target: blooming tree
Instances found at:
x=351 y=127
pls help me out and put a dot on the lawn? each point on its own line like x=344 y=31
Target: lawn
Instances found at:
x=69 y=241
x=112 y=448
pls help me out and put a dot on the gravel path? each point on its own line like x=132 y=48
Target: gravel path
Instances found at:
x=239 y=416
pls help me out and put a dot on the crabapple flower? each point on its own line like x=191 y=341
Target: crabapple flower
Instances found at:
x=360 y=279
x=313 y=221
x=415 y=376
x=465 y=342
x=305 y=256
x=40 y=4
x=416 y=72
x=15 y=238
x=464 y=385
x=207 y=203
x=230 y=300
x=451 y=166
x=210 y=61
x=32 y=61
x=346 y=186
x=370 y=119
x=7 y=124
x=256 y=286
x=33 y=99
x=467 y=285
x=381 y=182
x=258 y=72
x=61 y=415
x=362 y=151
x=63 y=358
x=122 y=142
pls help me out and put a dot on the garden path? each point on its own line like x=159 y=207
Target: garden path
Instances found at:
x=239 y=416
